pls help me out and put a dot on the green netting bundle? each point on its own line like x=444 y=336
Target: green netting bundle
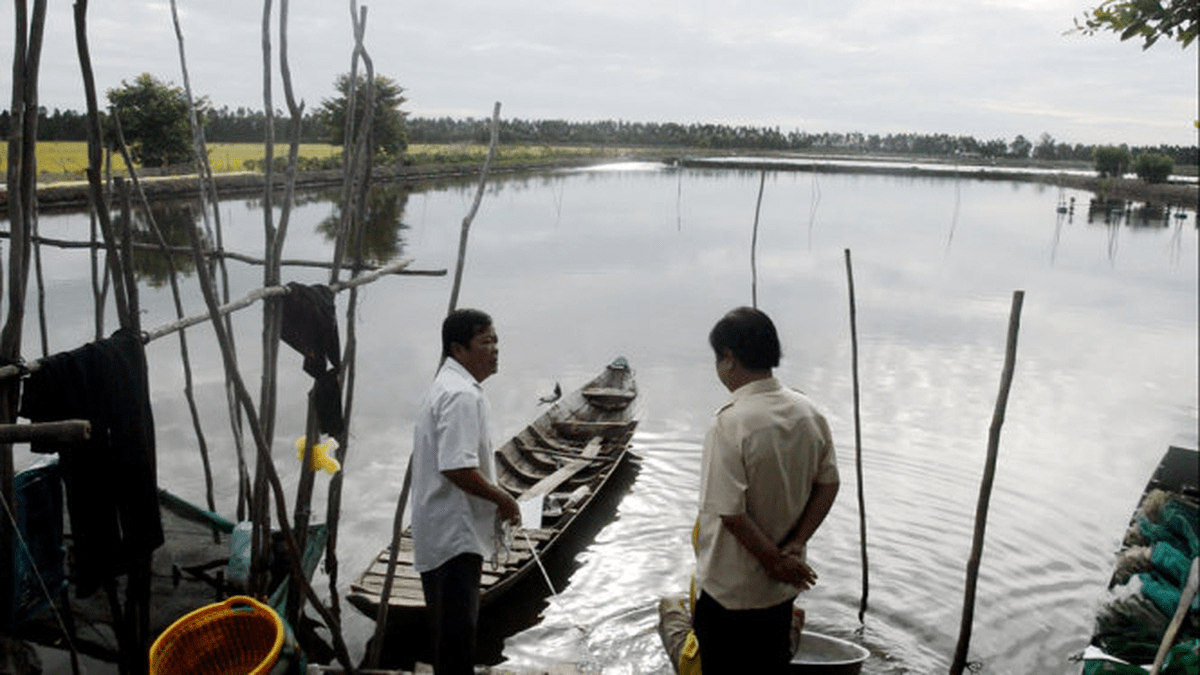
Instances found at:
x=1131 y=561
x=1130 y=626
x=1166 y=517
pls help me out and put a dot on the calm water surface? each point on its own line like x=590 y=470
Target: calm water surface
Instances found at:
x=640 y=260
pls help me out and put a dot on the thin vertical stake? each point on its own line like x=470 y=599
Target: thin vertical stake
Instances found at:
x=858 y=464
x=985 y=487
x=754 y=244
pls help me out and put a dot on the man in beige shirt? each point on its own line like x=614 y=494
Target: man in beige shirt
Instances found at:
x=768 y=479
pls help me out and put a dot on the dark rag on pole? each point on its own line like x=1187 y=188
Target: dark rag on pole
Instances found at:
x=111 y=479
x=310 y=327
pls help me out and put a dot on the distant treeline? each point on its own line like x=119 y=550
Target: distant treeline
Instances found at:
x=220 y=126
x=725 y=137
x=244 y=125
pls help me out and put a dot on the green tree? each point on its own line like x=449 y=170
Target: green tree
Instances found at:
x=1148 y=19
x=1153 y=167
x=154 y=120
x=1020 y=147
x=1046 y=148
x=388 y=136
x=1111 y=160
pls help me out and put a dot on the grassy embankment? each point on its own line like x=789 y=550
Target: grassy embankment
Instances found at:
x=66 y=160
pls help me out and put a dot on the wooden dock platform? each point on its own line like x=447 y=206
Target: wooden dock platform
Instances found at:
x=426 y=669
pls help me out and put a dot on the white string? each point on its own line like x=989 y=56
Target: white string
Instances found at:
x=538 y=560
x=33 y=566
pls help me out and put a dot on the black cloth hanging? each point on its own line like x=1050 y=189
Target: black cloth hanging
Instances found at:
x=111 y=479
x=310 y=327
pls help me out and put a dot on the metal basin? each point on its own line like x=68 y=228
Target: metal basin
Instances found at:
x=821 y=654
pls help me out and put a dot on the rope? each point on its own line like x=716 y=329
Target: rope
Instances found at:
x=538 y=560
x=502 y=551
x=33 y=566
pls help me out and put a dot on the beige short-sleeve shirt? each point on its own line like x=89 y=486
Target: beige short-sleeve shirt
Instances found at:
x=766 y=449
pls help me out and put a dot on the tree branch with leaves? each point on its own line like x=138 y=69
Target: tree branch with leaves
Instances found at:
x=1148 y=19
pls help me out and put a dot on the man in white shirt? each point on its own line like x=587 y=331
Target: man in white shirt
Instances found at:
x=455 y=499
x=768 y=479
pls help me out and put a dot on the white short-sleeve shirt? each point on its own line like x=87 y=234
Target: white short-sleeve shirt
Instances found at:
x=450 y=432
x=766 y=448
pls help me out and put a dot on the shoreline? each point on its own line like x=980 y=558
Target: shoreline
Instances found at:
x=1185 y=195
x=73 y=196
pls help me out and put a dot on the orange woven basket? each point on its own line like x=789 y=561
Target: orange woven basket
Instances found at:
x=240 y=636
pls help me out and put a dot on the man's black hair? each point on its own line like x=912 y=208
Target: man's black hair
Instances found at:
x=750 y=335
x=461 y=326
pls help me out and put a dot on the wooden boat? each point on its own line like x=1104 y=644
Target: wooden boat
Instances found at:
x=1172 y=494
x=562 y=460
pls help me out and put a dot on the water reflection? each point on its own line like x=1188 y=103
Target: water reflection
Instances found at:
x=578 y=267
x=174 y=220
x=382 y=222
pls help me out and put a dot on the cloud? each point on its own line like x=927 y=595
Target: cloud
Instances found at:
x=988 y=68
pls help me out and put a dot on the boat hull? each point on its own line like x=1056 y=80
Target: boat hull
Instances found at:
x=565 y=457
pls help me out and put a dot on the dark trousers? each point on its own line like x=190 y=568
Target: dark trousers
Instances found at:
x=736 y=641
x=452 y=597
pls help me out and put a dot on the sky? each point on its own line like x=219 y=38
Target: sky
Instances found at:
x=985 y=68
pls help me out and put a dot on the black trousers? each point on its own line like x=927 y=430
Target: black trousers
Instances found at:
x=736 y=641
x=452 y=597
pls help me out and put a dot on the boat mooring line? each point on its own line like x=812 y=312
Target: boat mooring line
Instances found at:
x=37 y=573
x=537 y=559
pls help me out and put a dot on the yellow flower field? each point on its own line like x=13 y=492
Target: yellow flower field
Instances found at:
x=67 y=160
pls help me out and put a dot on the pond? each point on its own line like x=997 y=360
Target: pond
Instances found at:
x=639 y=260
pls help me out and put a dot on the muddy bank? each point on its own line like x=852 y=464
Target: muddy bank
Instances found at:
x=74 y=196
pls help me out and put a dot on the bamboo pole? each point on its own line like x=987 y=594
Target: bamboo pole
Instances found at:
x=347 y=376
x=858 y=463
x=257 y=503
x=985 y=488
x=762 y=181
x=173 y=277
x=356 y=141
x=302 y=507
x=210 y=253
x=470 y=217
x=132 y=627
x=43 y=330
x=208 y=196
x=398 y=521
x=11 y=371
x=120 y=295
x=124 y=230
x=22 y=190
x=1181 y=612
x=65 y=431
x=269 y=476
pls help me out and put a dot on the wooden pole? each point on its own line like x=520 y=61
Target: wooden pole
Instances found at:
x=858 y=463
x=1181 y=612
x=173 y=276
x=95 y=137
x=269 y=476
x=762 y=181
x=346 y=378
x=398 y=521
x=985 y=488
x=470 y=217
x=22 y=192
x=64 y=431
